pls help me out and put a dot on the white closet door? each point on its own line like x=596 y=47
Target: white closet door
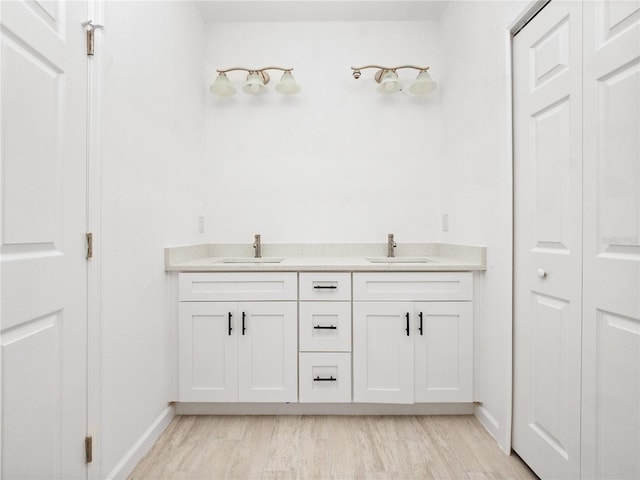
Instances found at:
x=44 y=289
x=611 y=311
x=548 y=240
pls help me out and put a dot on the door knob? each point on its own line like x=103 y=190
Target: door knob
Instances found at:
x=541 y=273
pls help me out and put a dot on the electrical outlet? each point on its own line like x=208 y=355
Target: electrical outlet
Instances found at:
x=201 y=224
x=445 y=222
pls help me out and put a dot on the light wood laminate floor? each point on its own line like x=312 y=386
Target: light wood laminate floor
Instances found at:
x=327 y=447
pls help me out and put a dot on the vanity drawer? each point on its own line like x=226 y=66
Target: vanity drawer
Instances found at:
x=325 y=377
x=233 y=286
x=325 y=326
x=413 y=286
x=325 y=286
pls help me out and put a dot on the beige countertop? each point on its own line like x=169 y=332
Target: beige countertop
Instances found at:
x=364 y=257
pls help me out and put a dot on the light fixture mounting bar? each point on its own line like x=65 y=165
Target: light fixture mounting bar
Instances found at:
x=253 y=69
x=393 y=69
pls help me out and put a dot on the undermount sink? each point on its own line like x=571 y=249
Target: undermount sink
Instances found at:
x=252 y=260
x=399 y=260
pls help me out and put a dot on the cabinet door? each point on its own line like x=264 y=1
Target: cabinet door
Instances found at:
x=268 y=352
x=443 y=352
x=382 y=352
x=208 y=352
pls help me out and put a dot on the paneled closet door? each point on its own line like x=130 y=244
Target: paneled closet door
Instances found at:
x=43 y=206
x=611 y=309
x=548 y=239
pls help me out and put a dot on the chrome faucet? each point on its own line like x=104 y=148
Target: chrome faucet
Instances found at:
x=256 y=245
x=391 y=244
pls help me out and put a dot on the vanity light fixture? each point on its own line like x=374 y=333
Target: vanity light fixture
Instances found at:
x=387 y=77
x=256 y=82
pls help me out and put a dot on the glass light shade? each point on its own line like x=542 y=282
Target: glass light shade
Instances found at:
x=287 y=85
x=423 y=84
x=222 y=86
x=389 y=83
x=254 y=85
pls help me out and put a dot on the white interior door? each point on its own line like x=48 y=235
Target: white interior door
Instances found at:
x=547 y=70
x=44 y=310
x=611 y=309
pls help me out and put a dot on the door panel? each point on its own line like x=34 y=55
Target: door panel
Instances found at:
x=443 y=352
x=208 y=363
x=382 y=352
x=611 y=324
x=268 y=352
x=548 y=233
x=44 y=310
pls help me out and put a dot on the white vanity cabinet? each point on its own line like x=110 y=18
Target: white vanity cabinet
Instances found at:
x=237 y=337
x=412 y=337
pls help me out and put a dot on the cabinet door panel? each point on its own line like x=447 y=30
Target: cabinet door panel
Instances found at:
x=268 y=352
x=382 y=353
x=208 y=352
x=444 y=352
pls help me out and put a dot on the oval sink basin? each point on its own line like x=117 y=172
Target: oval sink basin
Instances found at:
x=399 y=260
x=253 y=260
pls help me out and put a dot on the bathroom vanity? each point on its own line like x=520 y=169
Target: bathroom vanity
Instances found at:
x=324 y=324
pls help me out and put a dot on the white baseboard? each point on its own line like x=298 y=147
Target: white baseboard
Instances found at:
x=126 y=465
x=323 y=409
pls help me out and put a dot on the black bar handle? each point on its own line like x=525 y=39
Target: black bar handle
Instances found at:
x=407 y=329
x=325 y=286
x=321 y=327
x=420 y=328
x=230 y=323
x=243 y=317
x=330 y=379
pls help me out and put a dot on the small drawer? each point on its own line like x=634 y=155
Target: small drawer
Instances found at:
x=325 y=377
x=413 y=286
x=325 y=326
x=325 y=286
x=233 y=286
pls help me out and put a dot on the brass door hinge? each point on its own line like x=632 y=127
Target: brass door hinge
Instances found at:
x=88 y=449
x=89 y=245
x=91 y=28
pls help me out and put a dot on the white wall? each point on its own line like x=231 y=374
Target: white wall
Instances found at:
x=478 y=195
x=336 y=163
x=152 y=193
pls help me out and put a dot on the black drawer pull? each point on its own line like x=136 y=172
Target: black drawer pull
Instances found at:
x=322 y=327
x=407 y=329
x=243 y=327
x=420 y=328
x=330 y=379
x=230 y=323
x=325 y=286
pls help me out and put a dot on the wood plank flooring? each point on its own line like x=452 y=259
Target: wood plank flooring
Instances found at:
x=327 y=447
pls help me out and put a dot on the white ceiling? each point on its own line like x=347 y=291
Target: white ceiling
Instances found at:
x=319 y=10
